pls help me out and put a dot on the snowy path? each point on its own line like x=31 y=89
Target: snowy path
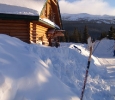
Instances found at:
x=109 y=63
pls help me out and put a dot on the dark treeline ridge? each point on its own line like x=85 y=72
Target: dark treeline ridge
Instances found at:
x=78 y=32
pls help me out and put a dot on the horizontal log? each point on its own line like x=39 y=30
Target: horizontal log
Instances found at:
x=19 y=34
x=37 y=28
x=13 y=24
x=38 y=36
x=22 y=37
x=14 y=31
x=41 y=30
x=31 y=38
x=40 y=26
x=46 y=40
x=13 y=21
x=19 y=30
x=35 y=36
x=35 y=33
x=45 y=36
x=34 y=22
x=38 y=32
x=12 y=27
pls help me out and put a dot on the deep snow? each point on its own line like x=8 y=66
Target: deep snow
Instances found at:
x=37 y=72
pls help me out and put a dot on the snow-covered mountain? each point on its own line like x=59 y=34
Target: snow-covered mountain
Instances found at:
x=87 y=17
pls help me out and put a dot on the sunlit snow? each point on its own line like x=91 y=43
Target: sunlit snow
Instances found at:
x=37 y=72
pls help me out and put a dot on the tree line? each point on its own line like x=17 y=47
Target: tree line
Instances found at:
x=77 y=37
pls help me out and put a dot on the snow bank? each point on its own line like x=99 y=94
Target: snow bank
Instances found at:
x=25 y=76
x=36 y=72
x=104 y=47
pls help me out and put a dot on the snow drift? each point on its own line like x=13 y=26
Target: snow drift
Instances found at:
x=36 y=72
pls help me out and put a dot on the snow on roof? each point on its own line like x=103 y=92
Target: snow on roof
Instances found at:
x=23 y=7
x=50 y=22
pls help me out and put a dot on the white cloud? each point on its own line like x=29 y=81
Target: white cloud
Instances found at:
x=99 y=7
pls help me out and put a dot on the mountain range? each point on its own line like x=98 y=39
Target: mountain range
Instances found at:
x=96 y=23
x=88 y=17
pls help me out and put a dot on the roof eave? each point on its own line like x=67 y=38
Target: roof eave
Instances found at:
x=18 y=17
x=44 y=22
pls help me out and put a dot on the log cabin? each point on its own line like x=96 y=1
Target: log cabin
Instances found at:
x=32 y=21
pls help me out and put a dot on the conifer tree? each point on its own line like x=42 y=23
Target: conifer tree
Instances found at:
x=71 y=37
x=66 y=36
x=111 y=33
x=80 y=36
x=85 y=34
x=62 y=39
x=76 y=35
x=103 y=35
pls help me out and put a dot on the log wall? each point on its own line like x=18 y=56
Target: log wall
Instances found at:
x=30 y=32
x=38 y=33
x=15 y=28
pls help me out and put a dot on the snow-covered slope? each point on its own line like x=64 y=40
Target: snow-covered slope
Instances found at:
x=87 y=17
x=37 y=72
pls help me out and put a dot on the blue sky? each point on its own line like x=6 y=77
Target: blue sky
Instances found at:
x=111 y=2
x=95 y=7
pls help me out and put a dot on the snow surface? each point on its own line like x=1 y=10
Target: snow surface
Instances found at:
x=50 y=22
x=23 y=7
x=37 y=72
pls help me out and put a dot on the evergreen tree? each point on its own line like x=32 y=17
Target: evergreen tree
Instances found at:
x=76 y=36
x=111 y=33
x=71 y=37
x=80 y=37
x=62 y=39
x=103 y=35
x=66 y=36
x=85 y=35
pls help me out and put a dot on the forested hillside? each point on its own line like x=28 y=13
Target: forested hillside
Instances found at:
x=96 y=30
